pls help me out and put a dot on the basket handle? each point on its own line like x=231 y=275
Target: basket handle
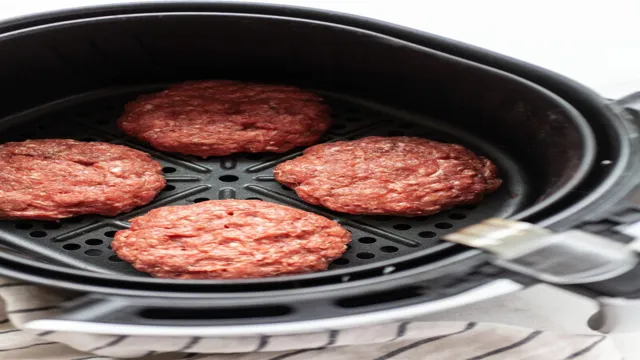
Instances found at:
x=120 y=315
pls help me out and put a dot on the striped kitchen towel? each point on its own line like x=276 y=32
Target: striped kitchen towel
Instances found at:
x=21 y=302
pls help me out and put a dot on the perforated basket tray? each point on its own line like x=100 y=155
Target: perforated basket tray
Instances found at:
x=83 y=242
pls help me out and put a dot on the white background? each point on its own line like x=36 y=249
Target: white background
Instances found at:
x=594 y=42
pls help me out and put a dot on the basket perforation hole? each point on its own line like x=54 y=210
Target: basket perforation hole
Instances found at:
x=427 y=234
x=389 y=249
x=365 y=255
x=114 y=258
x=169 y=188
x=93 y=252
x=443 y=225
x=200 y=199
x=367 y=240
x=23 y=225
x=457 y=216
x=341 y=261
x=402 y=226
x=286 y=188
x=254 y=198
x=52 y=226
x=228 y=178
x=71 y=247
x=169 y=169
x=110 y=233
x=93 y=242
x=38 y=234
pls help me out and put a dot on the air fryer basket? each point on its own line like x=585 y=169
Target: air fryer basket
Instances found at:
x=541 y=147
x=71 y=79
x=84 y=241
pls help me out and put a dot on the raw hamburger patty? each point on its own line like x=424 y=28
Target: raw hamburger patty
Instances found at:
x=58 y=178
x=402 y=176
x=230 y=239
x=215 y=118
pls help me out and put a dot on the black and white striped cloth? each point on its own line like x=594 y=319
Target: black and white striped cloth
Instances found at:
x=21 y=302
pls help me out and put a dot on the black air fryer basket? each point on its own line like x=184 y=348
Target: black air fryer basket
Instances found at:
x=563 y=152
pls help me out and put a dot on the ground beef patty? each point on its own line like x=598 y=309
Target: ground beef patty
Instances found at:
x=215 y=118
x=58 y=178
x=402 y=176
x=230 y=239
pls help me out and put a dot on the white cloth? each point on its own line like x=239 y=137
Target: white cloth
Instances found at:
x=22 y=302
